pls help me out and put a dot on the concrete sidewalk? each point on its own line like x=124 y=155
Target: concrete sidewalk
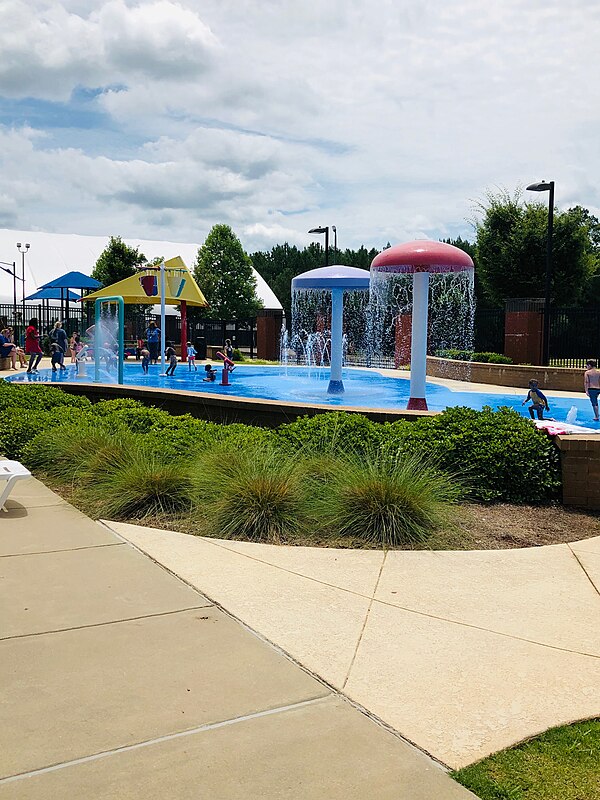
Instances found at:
x=120 y=681
x=462 y=653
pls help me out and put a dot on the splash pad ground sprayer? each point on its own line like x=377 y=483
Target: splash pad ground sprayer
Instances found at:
x=99 y=334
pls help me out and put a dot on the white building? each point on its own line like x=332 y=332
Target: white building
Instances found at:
x=53 y=254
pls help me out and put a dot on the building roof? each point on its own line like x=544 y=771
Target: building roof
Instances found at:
x=52 y=254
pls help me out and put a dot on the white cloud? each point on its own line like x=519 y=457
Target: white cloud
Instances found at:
x=386 y=118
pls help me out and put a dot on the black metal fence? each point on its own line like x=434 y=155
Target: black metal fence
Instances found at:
x=574 y=336
x=489 y=330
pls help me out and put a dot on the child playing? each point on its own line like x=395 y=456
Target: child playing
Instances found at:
x=191 y=352
x=538 y=400
x=56 y=356
x=145 y=354
x=172 y=356
x=211 y=373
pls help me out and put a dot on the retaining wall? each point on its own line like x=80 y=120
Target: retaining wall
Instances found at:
x=557 y=378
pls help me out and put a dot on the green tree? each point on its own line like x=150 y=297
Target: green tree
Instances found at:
x=117 y=262
x=283 y=262
x=224 y=273
x=511 y=249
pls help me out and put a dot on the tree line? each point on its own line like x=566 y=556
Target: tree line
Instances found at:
x=508 y=250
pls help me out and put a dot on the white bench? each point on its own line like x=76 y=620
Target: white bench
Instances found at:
x=10 y=473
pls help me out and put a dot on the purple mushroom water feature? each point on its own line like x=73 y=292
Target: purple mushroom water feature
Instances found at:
x=420 y=259
x=336 y=279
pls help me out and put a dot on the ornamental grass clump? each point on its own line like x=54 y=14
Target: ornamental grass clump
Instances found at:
x=255 y=494
x=75 y=453
x=139 y=483
x=388 y=502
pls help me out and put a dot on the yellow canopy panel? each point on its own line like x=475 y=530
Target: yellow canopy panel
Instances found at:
x=131 y=289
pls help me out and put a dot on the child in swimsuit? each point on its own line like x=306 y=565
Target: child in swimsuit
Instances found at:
x=538 y=400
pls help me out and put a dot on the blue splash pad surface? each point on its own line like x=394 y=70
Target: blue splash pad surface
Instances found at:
x=363 y=388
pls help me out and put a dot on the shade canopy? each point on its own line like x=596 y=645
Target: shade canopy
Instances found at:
x=422 y=256
x=130 y=289
x=338 y=276
x=73 y=280
x=54 y=294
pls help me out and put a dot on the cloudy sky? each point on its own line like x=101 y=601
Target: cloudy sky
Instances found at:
x=387 y=118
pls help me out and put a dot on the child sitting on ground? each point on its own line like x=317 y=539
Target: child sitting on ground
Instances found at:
x=145 y=354
x=172 y=356
x=211 y=373
x=538 y=400
x=191 y=354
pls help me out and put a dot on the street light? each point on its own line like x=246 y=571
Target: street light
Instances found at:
x=542 y=186
x=334 y=229
x=27 y=246
x=324 y=230
x=15 y=278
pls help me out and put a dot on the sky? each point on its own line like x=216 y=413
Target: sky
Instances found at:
x=389 y=119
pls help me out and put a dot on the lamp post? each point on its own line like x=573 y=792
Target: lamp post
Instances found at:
x=27 y=246
x=15 y=278
x=542 y=186
x=324 y=230
x=334 y=229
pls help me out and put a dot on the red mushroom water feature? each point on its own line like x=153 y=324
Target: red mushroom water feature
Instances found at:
x=420 y=259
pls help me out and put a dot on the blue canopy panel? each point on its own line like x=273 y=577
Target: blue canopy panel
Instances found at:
x=72 y=280
x=54 y=294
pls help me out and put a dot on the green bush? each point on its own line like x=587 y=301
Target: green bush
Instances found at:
x=498 y=454
x=470 y=355
x=238 y=355
x=37 y=397
x=255 y=494
x=332 y=432
x=385 y=501
x=18 y=426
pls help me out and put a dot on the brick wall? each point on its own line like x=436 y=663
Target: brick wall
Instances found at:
x=580 y=461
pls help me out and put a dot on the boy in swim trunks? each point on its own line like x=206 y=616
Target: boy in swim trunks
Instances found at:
x=591 y=384
x=538 y=400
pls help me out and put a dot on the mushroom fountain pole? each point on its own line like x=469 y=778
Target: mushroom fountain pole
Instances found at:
x=336 y=279
x=418 y=353
x=420 y=259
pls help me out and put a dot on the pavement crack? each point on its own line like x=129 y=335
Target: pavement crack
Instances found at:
x=587 y=574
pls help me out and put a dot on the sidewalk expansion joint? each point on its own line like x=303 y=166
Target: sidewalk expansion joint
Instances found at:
x=372 y=598
x=208 y=604
x=366 y=619
x=63 y=550
x=212 y=726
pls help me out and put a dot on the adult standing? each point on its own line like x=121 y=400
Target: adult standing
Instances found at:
x=591 y=383
x=32 y=345
x=153 y=339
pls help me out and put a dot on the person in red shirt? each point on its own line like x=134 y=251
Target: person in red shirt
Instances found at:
x=32 y=345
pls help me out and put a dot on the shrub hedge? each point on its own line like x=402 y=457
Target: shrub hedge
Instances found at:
x=498 y=455
x=470 y=355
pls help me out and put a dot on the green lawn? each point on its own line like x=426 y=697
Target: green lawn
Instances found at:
x=561 y=764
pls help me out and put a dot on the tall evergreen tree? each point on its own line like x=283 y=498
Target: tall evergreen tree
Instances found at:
x=224 y=273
